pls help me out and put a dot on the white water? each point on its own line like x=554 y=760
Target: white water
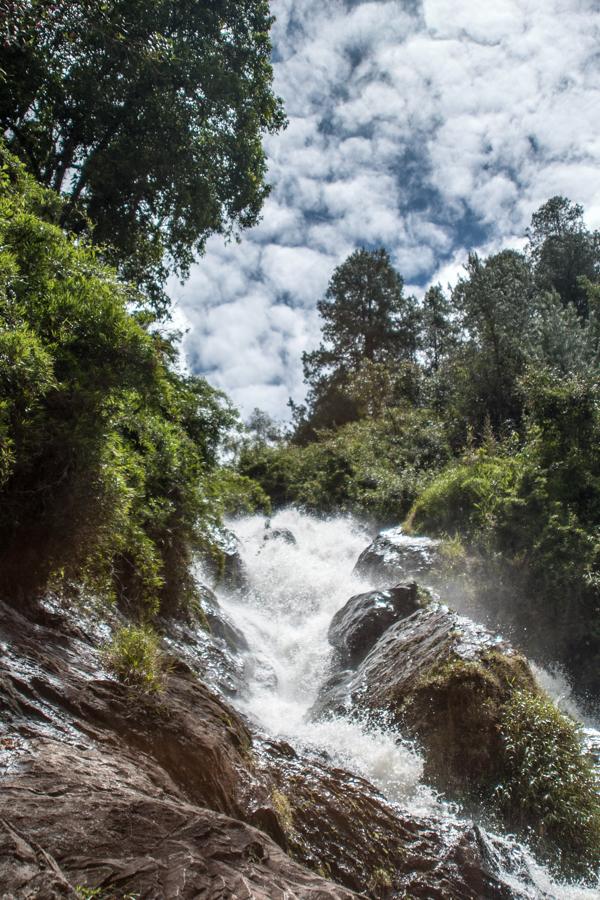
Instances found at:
x=294 y=592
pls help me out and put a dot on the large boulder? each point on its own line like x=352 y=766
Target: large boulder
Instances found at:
x=361 y=622
x=395 y=556
x=442 y=680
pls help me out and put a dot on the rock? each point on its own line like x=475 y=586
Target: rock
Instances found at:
x=279 y=534
x=395 y=556
x=361 y=622
x=224 y=566
x=339 y=825
x=220 y=624
x=127 y=793
x=441 y=680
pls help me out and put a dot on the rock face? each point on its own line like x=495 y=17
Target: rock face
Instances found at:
x=210 y=644
x=361 y=622
x=172 y=796
x=442 y=680
x=394 y=556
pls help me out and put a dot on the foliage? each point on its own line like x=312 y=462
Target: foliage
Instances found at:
x=366 y=318
x=148 y=117
x=495 y=302
x=563 y=251
x=134 y=656
x=374 y=468
x=106 y=452
x=549 y=784
x=532 y=507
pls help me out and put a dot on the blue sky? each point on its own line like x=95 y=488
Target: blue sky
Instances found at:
x=432 y=128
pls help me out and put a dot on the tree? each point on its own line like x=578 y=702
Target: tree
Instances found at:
x=438 y=331
x=564 y=251
x=366 y=319
x=105 y=450
x=147 y=115
x=496 y=302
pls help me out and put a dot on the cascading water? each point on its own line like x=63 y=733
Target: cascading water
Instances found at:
x=293 y=592
x=295 y=589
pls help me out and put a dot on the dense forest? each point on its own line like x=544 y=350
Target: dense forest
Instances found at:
x=131 y=133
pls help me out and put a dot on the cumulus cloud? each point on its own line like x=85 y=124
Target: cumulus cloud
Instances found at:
x=432 y=128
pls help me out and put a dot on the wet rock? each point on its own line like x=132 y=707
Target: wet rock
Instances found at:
x=339 y=825
x=220 y=624
x=441 y=680
x=395 y=556
x=209 y=644
x=126 y=792
x=279 y=534
x=361 y=622
x=224 y=566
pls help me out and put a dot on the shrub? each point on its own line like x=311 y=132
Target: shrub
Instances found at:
x=134 y=656
x=549 y=784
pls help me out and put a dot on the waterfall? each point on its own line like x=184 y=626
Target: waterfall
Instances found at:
x=293 y=592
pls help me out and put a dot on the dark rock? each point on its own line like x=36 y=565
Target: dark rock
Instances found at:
x=128 y=793
x=361 y=622
x=279 y=534
x=442 y=680
x=394 y=556
x=339 y=825
x=224 y=565
x=220 y=624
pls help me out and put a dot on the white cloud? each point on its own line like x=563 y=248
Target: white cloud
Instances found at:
x=426 y=131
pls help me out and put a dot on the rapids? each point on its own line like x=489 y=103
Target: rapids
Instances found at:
x=294 y=591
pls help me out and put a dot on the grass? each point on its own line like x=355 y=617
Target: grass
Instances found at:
x=135 y=658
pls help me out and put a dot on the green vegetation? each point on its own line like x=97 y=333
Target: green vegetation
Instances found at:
x=491 y=736
x=549 y=786
x=134 y=656
x=108 y=456
x=147 y=117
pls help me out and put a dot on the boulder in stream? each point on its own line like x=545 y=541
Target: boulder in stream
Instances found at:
x=442 y=680
x=361 y=622
x=395 y=556
x=279 y=534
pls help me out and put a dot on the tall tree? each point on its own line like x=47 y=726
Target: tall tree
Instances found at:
x=147 y=114
x=438 y=330
x=564 y=251
x=366 y=319
x=497 y=304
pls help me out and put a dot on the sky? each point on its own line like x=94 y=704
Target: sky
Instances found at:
x=431 y=128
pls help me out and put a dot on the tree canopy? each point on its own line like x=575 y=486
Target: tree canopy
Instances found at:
x=147 y=116
x=367 y=319
x=564 y=251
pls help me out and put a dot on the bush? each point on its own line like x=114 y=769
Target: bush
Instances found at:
x=549 y=784
x=374 y=467
x=134 y=656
